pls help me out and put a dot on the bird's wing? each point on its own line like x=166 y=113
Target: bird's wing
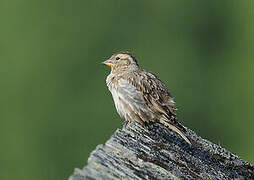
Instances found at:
x=144 y=88
x=157 y=95
x=162 y=103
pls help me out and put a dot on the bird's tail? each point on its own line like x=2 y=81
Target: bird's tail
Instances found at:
x=175 y=126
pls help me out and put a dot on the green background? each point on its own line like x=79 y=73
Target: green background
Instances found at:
x=55 y=106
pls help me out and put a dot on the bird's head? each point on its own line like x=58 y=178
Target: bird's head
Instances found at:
x=121 y=61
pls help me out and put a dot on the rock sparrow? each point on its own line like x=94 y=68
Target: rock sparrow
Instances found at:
x=139 y=95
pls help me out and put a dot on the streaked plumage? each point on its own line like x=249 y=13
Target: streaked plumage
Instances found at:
x=139 y=95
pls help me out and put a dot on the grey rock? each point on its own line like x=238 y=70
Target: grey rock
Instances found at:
x=154 y=152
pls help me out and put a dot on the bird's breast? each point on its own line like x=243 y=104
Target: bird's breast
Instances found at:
x=113 y=87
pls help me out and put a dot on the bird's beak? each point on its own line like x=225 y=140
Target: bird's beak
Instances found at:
x=108 y=63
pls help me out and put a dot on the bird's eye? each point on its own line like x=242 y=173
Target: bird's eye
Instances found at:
x=117 y=58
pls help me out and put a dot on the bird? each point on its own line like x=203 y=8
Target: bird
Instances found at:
x=140 y=95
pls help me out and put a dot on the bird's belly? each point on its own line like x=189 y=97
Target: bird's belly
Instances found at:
x=118 y=104
x=129 y=109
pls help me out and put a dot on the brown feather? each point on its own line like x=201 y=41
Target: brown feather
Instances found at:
x=140 y=95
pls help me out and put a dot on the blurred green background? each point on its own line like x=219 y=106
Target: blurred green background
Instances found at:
x=55 y=106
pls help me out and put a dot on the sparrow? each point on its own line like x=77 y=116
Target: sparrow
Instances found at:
x=140 y=95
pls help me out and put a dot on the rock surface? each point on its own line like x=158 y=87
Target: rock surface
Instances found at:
x=154 y=152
